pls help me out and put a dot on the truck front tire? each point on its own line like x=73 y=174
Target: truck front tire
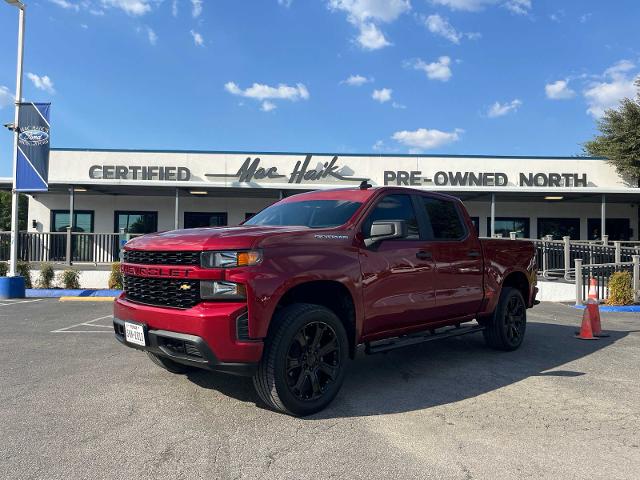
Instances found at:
x=304 y=360
x=505 y=329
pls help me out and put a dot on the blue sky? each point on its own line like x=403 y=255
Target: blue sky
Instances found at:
x=521 y=77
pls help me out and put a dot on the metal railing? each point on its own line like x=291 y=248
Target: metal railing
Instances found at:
x=601 y=273
x=65 y=247
x=580 y=260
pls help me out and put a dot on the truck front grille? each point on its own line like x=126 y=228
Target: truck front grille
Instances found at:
x=165 y=292
x=145 y=257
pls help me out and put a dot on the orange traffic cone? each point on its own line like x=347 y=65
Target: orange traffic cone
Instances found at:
x=594 y=310
x=586 y=333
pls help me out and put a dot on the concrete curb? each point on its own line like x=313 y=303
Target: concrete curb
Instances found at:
x=60 y=292
x=87 y=299
x=611 y=308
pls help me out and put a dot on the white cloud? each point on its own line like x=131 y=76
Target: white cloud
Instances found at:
x=197 y=39
x=356 y=80
x=151 y=35
x=519 y=7
x=268 y=106
x=285 y=3
x=425 y=139
x=378 y=146
x=6 y=97
x=439 y=25
x=196 y=8
x=438 y=70
x=66 y=5
x=559 y=90
x=174 y=8
x=398 y=106
x=616 y=85
x=499 y=109
x=41 y=82
x=584 y=17
x=371 y=38
x=367 y=14
x=382 y=95
x=131 y=7
x=265 y=93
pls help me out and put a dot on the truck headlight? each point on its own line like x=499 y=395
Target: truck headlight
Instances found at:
x=221 y=290
x=229 y=259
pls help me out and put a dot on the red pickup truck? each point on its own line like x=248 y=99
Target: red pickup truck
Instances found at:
x=290 y=295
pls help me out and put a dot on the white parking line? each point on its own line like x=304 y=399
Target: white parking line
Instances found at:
x=20 y=301
x=88 y=323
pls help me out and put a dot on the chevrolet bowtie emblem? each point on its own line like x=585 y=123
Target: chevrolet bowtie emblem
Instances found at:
x=185 y=286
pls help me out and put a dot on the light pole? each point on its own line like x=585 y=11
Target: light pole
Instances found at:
x=14 y=194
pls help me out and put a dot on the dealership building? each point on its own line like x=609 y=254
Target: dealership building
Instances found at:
x=140 y=191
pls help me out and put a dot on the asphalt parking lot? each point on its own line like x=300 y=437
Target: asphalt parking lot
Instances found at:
x=76 y=404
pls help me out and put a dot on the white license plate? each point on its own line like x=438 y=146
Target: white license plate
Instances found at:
x=134 y=333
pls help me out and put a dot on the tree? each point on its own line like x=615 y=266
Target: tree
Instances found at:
x=619 y=138
x=5 y=211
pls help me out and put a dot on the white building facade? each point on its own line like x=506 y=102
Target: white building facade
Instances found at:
x=111 y=191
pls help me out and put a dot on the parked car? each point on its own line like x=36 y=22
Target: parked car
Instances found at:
x=290 y=295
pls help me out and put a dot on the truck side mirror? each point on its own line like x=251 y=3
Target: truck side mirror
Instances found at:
x=386 y=230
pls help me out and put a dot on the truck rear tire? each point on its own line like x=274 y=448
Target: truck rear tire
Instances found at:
x=168 y=364
x=505 y=329
x=303 y=364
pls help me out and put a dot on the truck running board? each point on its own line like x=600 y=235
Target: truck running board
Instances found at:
x=385 y=345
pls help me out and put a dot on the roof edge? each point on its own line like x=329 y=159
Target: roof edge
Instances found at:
x=381 y=155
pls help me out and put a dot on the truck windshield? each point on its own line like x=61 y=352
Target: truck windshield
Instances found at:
x=307 y=213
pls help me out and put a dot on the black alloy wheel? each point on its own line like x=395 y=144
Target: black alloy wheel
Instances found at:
x=313 y=361
x=304 y=360
x=505 y=329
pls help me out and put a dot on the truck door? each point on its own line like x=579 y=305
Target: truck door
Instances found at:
x=397 y=279
x=457 y=254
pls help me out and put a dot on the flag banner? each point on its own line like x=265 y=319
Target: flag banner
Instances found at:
x=32 y=169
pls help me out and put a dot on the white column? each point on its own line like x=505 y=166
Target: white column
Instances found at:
x=493 y=214
x=176 y=218
x=603 y=217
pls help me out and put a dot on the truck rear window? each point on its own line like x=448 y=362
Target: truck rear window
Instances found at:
x=307 y=213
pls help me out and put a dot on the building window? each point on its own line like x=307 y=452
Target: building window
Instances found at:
x=616 y=228
x=135 y=222
x=506 y=225
x=444 y=219
x=83 y=220
x=559 y=227
x=205 y=219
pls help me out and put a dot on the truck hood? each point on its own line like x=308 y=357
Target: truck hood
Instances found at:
x=212 y=238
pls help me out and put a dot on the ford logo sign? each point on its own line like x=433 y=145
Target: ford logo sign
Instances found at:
x=33 y=136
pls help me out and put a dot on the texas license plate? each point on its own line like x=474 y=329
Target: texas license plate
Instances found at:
x=134 y=333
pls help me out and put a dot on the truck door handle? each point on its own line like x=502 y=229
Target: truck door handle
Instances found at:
x=422 y=255
x=473 y=254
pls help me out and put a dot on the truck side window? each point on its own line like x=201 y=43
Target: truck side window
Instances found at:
x=394 y=207
x=445 y=219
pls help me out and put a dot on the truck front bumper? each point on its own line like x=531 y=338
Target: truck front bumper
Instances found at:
x=204 y=336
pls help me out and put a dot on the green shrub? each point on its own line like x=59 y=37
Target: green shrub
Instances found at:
x=620 y=289
x=24 y=270
x=115 y=279
x=4 y=268
x=70 y=279
x=47 y=274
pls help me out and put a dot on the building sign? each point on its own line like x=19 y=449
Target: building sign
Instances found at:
x=252 y=170
x=309 y=171
x=138 y=172
x=483 y=179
